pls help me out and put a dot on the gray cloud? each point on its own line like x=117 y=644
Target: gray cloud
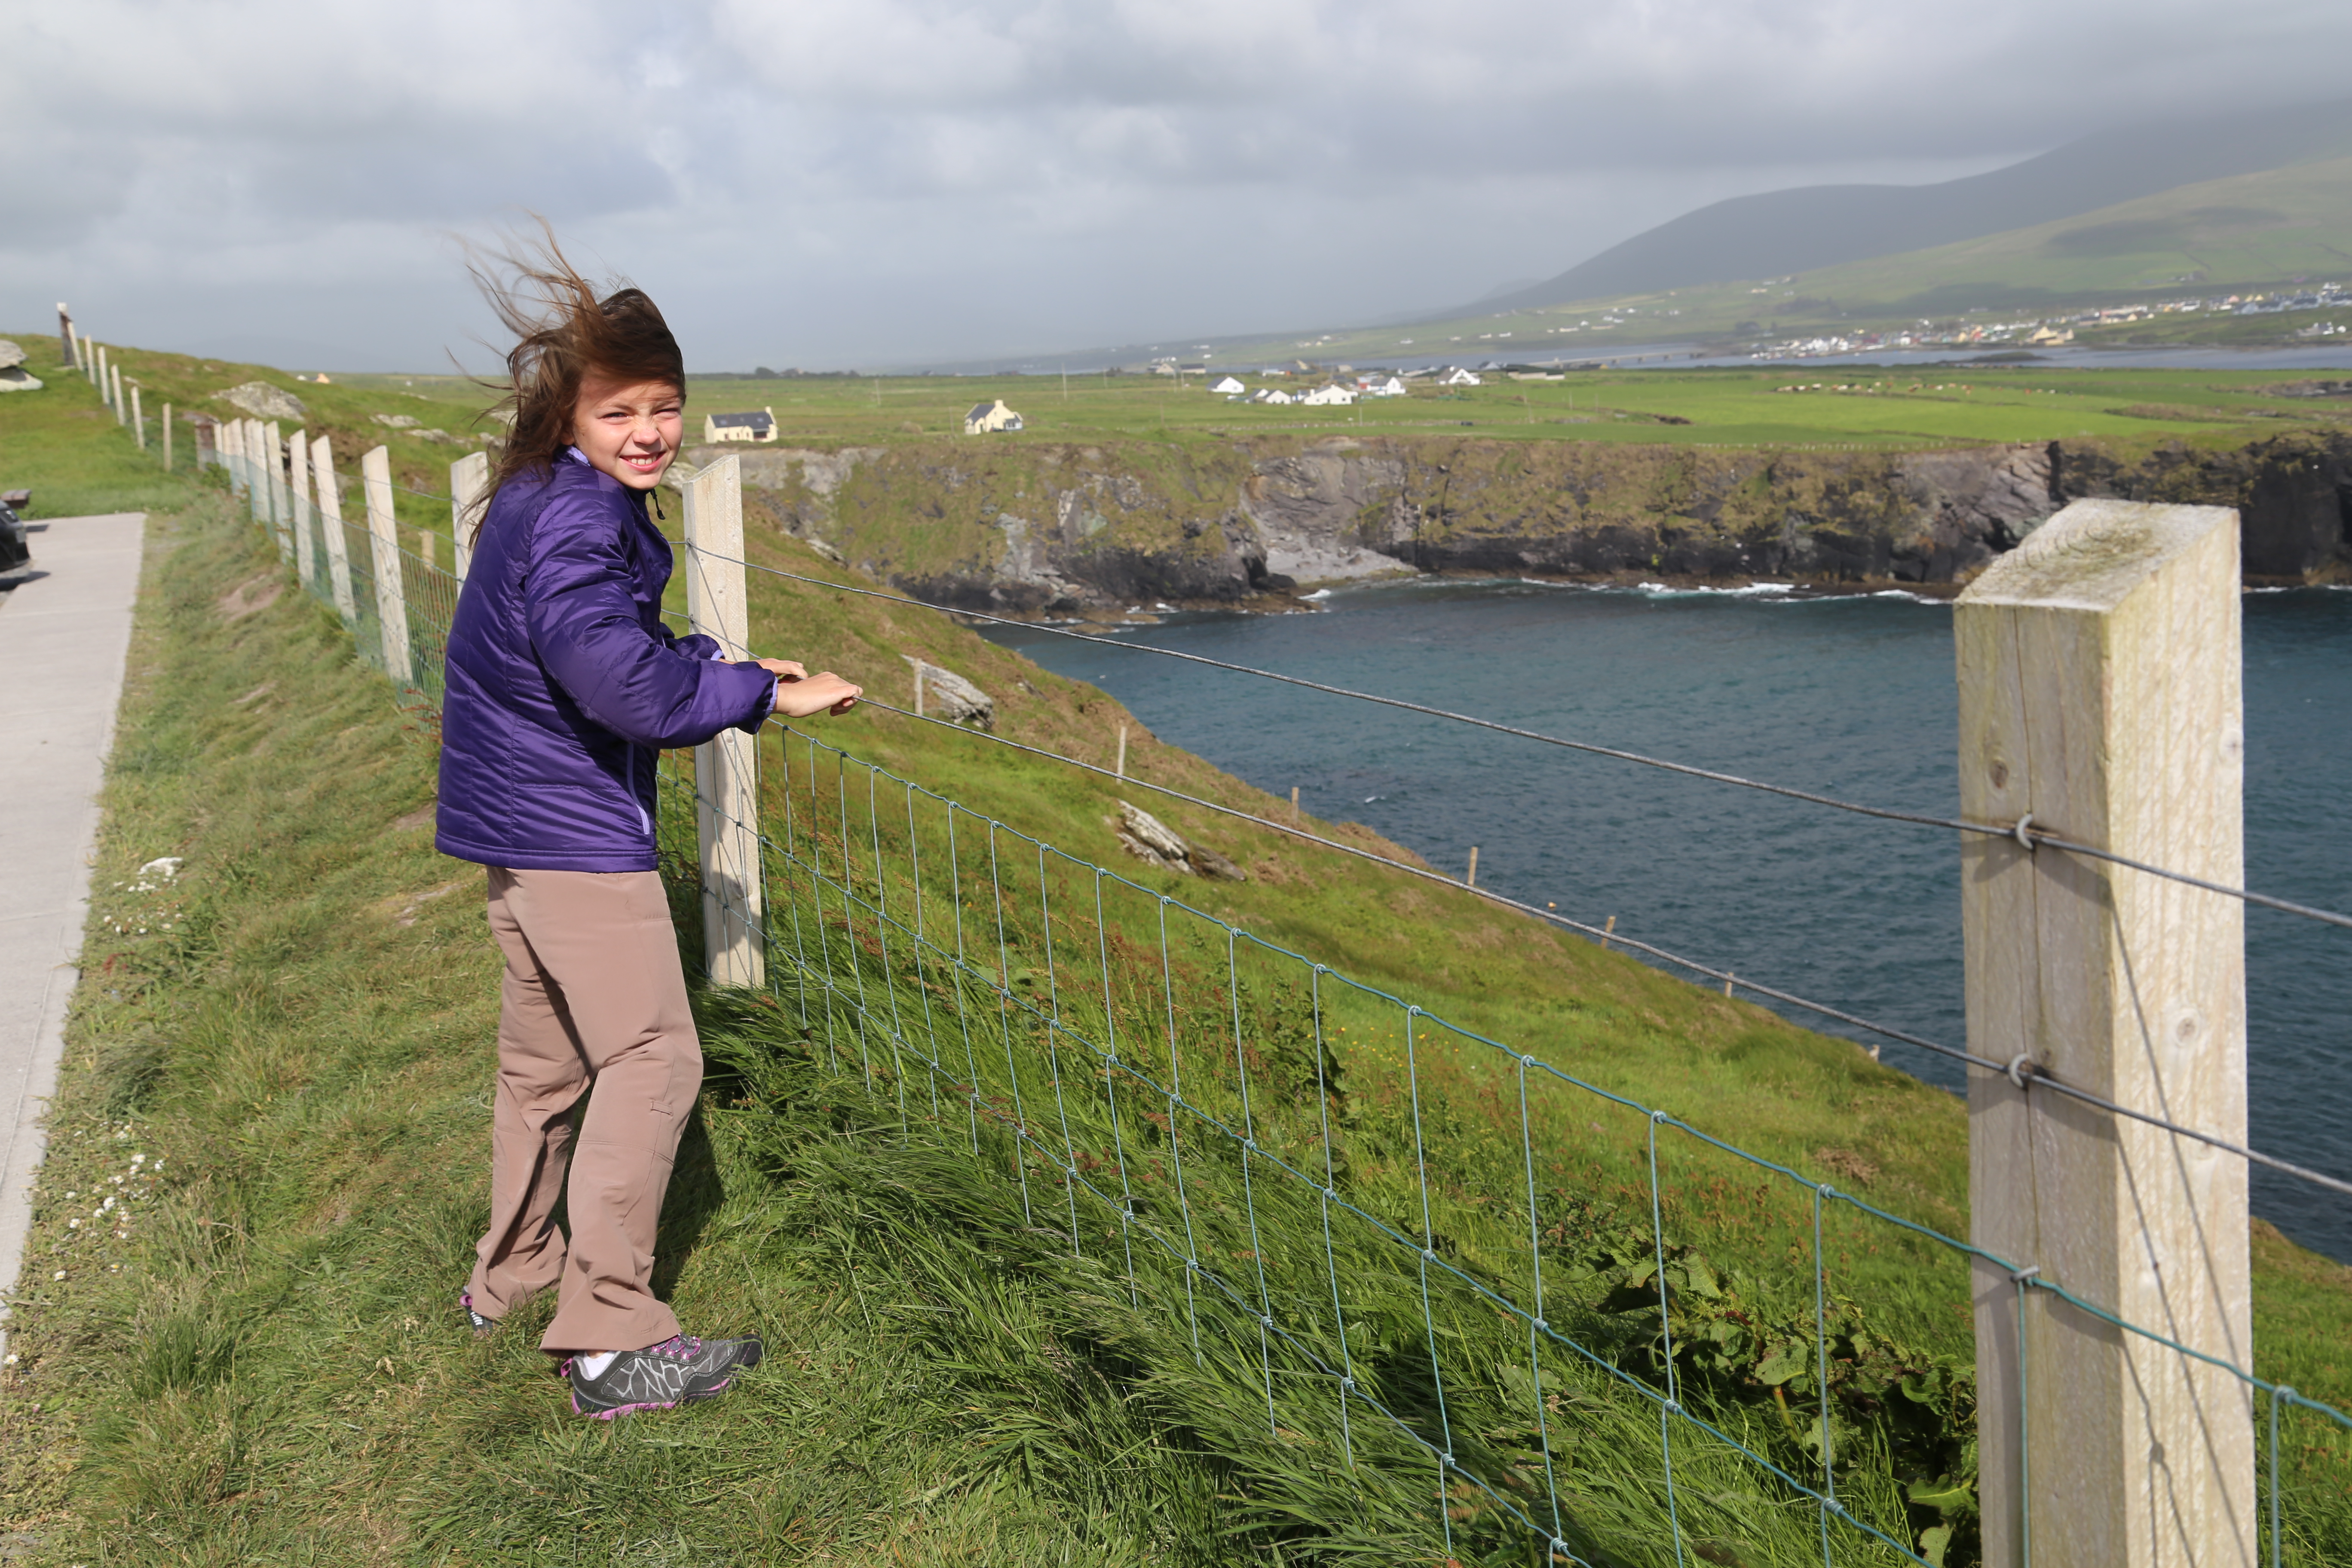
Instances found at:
x=827 y=182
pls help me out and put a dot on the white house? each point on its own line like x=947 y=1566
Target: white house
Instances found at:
x=989 y=416
x=1458 y=377
x=1231 y=385
x=759 y=426
x=1271 y=394
x=1381 y=386
x=1334 y=393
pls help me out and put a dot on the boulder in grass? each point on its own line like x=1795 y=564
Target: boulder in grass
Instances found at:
x=264 y=401
x=14 y=376
x=948 y=696
x=1156 y=845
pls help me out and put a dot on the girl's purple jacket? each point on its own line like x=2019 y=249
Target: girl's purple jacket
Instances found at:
x=564 y=684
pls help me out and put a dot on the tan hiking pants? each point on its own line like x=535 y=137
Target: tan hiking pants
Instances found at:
x=593 y=995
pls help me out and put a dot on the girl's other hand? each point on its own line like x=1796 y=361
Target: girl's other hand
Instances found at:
x=799 y=695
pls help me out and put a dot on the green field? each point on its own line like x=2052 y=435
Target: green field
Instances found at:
x=1838 y=406
x=268 y=1367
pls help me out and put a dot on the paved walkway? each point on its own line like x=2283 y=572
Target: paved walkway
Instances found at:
x=63 y=639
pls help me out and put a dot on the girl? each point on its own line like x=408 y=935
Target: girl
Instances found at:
x=563 y=686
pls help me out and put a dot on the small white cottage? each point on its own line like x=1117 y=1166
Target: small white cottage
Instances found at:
x=756 y=427
x=1231 y=385
x=1457 y=376
x=986 y=418
x=1325 y=396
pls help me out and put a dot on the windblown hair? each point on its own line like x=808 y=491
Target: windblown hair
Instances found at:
x=563 y=334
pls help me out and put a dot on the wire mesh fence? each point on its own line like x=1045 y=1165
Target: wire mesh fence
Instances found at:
x=1425 y=1255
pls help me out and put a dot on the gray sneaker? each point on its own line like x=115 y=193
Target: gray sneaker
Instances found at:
x=661 y=1376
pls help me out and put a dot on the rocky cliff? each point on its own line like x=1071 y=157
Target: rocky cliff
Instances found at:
x=1030 y=528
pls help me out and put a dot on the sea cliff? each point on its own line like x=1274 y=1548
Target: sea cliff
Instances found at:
x=1047 y=529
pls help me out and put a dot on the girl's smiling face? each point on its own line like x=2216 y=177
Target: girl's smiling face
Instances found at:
x=630 y=430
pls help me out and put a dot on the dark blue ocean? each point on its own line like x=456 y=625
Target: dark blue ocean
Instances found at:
x=1849 y=696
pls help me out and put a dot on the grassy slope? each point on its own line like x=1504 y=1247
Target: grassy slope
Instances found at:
x=275 y=1371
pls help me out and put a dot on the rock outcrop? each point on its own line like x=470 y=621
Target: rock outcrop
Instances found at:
x=14 y=376
x=1156 y=845
x=943 y=694
x=264 y=401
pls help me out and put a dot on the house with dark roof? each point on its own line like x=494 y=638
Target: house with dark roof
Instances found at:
x=990 y=417
x=756 y=427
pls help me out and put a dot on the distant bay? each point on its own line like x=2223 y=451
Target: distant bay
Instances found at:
x=1846 y=695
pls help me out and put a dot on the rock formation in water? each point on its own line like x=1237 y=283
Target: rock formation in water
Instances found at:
x=1052 y=529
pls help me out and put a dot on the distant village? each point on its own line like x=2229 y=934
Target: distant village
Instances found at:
x=2052 y=330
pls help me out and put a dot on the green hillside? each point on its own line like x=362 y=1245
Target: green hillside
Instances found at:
x=2244 y=233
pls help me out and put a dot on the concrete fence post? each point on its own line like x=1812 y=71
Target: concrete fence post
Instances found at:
x=241 y=469
x=138 y=418
x=272 y=481
x=384 y=532
x=167 y=437
x=469 y=482
x=726 y=770
x=297 y=481
x=331 y=526
x=256 y=483
x=2099 y=686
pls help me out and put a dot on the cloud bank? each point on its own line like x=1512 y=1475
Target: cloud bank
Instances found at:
x=839 y=183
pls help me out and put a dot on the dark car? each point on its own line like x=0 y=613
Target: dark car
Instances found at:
x=14 y=550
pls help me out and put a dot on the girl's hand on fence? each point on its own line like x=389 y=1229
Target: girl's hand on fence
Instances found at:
x=800 y=694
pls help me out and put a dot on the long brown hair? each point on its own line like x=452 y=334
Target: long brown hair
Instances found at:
x=564 y=332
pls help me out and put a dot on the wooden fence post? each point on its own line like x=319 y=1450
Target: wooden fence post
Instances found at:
x=138 y=418
x=469 y=477
x=2099 y=673
x=114 y=383
x=331 y=526
x=167 y=437
x=726 y=770
x=384 y=532
x=298 y=480
x=273 y=474
x=256 y=482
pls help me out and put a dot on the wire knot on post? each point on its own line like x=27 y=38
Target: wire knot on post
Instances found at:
x=2020 y=1067
x=2025 y=1275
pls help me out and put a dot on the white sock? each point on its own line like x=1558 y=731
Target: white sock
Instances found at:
x=593 y=1366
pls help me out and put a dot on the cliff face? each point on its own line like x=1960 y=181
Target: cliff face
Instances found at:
x=1030 y=528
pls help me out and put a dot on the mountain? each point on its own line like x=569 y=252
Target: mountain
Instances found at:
x=1784 y=232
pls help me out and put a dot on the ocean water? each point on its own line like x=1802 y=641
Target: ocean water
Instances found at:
x=1848 y=696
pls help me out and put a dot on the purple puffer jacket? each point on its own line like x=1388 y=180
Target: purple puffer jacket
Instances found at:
x=563 y=683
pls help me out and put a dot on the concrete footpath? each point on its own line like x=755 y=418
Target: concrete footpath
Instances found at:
x=64 y=635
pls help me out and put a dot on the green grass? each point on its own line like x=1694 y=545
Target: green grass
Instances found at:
x=299 y=1027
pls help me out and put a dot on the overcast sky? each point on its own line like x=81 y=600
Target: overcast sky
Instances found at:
x=834 y=183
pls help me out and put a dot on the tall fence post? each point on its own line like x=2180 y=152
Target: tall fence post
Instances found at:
x=469 y=476
x=167 y=437
x=391 y=603
x=331 y=524
x=114 y=397
x=2099 y=673
x=281 y=510
x=298 y=480
x=726 y=770
x=205 y=432
x=256 y=483
x=137 y=419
